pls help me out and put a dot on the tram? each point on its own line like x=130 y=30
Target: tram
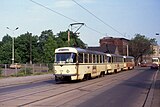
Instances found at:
x=114 y=63
x=78 y=64
x=155 y=62
x=128 y=62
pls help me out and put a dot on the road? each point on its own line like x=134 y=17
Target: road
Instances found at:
x=124 y=89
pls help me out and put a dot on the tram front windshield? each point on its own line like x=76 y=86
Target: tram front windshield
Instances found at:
x=65 y=57
x=154 y=60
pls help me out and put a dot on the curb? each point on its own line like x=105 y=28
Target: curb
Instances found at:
x=150 y=95
x=24 y=80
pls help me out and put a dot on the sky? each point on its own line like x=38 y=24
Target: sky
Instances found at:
x=119 y=18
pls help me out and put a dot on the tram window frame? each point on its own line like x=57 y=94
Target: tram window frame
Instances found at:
x=88 y=58
x=92 y=58
x=104 y=58
x=95 y=58
x=83 y=58
x=80 y=57
x=112 y=60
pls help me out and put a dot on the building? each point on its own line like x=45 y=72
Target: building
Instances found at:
x=120 y=44
x=112 y=45
x=148 y=58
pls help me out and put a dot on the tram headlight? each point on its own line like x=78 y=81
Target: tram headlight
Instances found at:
x=67 y=71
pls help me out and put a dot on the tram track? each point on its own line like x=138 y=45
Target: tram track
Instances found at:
x=94 y=84
x=80 y=88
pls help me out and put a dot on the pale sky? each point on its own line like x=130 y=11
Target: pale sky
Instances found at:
x=128 y=17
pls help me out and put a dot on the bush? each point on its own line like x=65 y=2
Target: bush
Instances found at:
x=50 y=66
x=1 y=72
x=23 y=72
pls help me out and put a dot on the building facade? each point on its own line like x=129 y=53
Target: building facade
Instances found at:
x=120 y=44
x=148 y=58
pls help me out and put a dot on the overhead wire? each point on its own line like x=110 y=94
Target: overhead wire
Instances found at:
x=63 y=15
x=52 y=10
x=97 y=18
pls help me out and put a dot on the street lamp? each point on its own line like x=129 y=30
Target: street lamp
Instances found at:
x=12 y=30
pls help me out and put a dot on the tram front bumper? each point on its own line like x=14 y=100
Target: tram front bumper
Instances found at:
x=64 y=76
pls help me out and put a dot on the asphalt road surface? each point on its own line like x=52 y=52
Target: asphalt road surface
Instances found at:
x=125 y=89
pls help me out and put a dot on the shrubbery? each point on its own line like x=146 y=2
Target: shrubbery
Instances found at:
x=1 y=72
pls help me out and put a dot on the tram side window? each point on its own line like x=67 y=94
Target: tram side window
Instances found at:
x=109 y=59
x=101 y=59
x=119 y=59
x=128 y=60
x=98 y=58
x=113 y=59
x=86 y=58
x=80 y=58
x=94 y=59
x=90 y=58
x=104 y=58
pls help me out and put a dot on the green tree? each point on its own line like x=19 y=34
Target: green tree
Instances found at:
x=5 y=53
x=5 y=50
x=31 y=48
x=74 y=40
x=6 y=39
x=140 y=45
x=47 y=44
x=49 y=49
x=25 y=48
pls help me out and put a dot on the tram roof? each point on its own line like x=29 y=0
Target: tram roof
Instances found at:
x=155 y=58
x=114 y=55
x=128 y=57
x=76 y=50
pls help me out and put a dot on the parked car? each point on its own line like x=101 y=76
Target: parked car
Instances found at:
x=154 y=66
x=143 y=64
x=15 y=65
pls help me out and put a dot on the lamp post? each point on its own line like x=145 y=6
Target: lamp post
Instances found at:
x=12 y=30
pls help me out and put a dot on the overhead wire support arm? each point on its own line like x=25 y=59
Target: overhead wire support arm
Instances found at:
x=81 y=24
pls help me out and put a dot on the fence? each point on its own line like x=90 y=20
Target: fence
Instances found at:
x=24 y=69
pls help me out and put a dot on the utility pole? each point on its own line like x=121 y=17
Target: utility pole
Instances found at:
x=127 y=51
x=68 y=38
x=30 y=46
